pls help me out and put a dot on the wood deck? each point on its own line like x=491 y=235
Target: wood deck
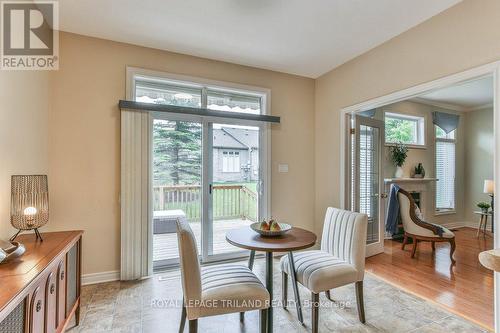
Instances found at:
x=165 y=245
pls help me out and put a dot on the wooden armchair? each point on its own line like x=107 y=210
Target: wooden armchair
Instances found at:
x=420 y=230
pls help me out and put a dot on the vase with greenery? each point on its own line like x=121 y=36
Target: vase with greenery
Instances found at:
x=484 y=206
x=399 y=152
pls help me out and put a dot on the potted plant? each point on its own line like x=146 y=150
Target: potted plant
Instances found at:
x=419 y=171
x=399 y=152
x=484 y=206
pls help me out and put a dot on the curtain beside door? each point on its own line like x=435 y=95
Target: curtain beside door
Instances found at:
x=134 y=194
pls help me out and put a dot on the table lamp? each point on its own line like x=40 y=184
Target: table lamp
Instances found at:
x=29 y=206
x=489 y=188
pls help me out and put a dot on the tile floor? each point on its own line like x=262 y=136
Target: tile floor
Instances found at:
x=153 y=305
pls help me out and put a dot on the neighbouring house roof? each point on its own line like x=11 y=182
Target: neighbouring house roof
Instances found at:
x=224 y=140
x=248 y=137
x=235 y=138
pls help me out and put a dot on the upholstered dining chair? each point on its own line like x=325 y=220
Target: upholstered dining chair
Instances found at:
x=419 y=230
x=215 y=290
x=340 y=261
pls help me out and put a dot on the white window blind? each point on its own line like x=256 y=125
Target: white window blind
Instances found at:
x=445 y=172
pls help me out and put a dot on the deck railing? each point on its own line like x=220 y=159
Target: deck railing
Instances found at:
x=229 y=201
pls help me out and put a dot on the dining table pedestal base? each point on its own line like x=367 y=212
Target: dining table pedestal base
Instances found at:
x=295 y=239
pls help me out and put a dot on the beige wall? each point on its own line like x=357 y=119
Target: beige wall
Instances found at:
x=455 y=40
x=24 y=105
x=478 y=159
x=84 y=140
x=427 y=156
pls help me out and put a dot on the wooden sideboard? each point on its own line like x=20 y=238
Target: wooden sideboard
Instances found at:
x=40 y=291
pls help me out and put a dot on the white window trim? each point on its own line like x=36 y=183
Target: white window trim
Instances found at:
x=421 y=130
x=134 y=73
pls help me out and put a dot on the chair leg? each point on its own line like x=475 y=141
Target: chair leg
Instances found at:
x=433 y=244
x=295 y=287
x=284 y=289
x=251 y=260
x=315 y=312
x=405 y=241
x=414 y=250
x=329 y=296
x=452 y=249
x=193 y=326
x=183 y=318
x=360 y=301
x=263 y=320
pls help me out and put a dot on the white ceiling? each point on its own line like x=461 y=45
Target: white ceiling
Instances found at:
x=463 y=96
x=304 y=37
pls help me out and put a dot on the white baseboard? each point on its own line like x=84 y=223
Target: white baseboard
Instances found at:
x=468 y=224
x=100 y=277
x=455 y=225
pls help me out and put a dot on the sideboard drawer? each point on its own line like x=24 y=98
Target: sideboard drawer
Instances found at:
x=61 y=292
x=51 y=302
x=37 y=309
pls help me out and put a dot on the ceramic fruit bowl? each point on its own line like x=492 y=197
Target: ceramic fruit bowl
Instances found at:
x=11 y=250
x=283 y=228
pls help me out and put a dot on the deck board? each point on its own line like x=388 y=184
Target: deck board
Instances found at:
x=165 y=245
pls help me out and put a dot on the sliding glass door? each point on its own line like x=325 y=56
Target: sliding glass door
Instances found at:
x=209 y=171
x=234 y=183
x=177 y=185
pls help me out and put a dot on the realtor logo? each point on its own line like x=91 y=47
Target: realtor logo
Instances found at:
x=29 y=35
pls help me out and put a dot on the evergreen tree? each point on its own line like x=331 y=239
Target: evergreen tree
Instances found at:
x=177 y=153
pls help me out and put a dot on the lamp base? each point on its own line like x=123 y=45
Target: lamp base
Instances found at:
x=37 y=234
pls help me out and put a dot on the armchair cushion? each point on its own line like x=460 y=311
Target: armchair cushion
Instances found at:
x=320 y=271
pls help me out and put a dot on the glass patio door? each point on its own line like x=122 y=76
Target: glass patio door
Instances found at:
x=208 y=173
x=206 y=169
x=177 y=168
x=234 y=184
x=367 y=185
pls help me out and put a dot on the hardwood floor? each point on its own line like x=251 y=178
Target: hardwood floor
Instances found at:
x=465 y=289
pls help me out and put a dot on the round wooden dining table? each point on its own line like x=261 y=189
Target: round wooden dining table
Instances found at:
x=293 y=240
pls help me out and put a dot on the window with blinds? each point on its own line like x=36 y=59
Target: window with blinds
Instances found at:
x=445 y=171
x=230 y=161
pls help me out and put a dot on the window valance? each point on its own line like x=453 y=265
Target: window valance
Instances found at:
x=446 y=121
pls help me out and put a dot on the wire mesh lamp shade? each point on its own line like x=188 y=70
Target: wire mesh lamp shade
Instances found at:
x=29 y=209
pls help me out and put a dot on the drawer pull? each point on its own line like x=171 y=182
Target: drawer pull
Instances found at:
x=52 y=288
x=38 y=305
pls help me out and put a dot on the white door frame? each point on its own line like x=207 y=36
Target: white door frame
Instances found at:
x=474 y=73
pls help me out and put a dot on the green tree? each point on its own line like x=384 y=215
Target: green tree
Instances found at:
x=399 y=130
x=177 y=153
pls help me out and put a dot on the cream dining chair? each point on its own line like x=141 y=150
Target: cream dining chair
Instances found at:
x=340 y=261
x=215 y=290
